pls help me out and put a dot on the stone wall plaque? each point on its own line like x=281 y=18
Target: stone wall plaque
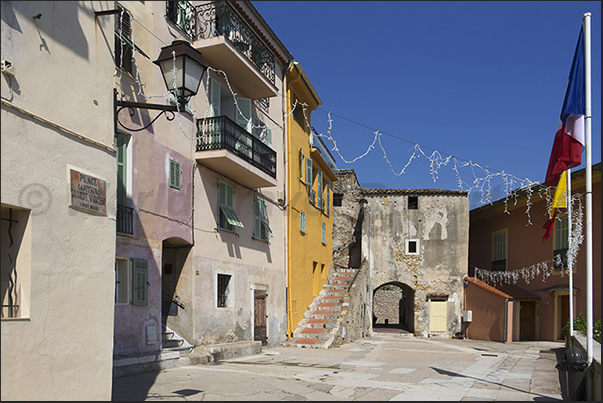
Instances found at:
x=88 y=193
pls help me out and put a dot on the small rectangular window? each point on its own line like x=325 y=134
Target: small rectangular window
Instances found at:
x=413 y=202
x=302 y=222
x=412 y=247
x=337 y=199
x=223 y=290
x=175 y=171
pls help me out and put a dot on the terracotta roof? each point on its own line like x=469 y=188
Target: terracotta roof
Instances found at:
x=504 y=290
x=414 y=192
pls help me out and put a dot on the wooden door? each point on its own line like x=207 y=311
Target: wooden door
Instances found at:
x=527 y=320
x=259 y=316
x=437 y=315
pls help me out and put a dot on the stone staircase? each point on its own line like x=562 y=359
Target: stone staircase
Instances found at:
x=322 y=320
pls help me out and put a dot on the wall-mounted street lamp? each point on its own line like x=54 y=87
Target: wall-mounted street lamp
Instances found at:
x=183 y=82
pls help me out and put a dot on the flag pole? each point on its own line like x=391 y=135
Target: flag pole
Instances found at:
x=570 y=260
x=589 y=194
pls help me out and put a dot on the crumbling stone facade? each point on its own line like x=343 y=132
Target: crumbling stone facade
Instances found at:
x=416 y=239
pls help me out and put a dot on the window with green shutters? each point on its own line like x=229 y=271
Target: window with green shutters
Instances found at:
x=302 y=159
x=261 y=229
x=175 y=172
x=308 y=171
x=227 y=218
x=123 y=41
x=140 y=280
x=319 y=189
x=327 y=208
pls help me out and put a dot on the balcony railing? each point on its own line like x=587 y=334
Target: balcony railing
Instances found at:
x=125 y=220
x=219 y=133
x=219 y=18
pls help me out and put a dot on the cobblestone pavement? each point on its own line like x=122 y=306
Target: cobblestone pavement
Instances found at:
x=382 y=367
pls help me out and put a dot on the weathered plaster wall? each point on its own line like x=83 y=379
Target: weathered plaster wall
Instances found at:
x=440 y=228
x=62 y=348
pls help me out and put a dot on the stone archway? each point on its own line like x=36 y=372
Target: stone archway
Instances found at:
x=393 y=308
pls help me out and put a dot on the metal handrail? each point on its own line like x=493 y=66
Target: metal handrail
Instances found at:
x=220 y=132
x=220 y=19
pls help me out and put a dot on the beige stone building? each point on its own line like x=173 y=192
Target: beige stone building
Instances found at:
x=58 y=201
x=415 y=242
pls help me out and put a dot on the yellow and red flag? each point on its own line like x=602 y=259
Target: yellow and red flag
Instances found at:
x=559 y=201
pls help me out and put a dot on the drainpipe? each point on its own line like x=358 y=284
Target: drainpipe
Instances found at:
x=506 y=318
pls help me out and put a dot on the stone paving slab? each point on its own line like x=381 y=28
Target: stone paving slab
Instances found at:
x=381 y=367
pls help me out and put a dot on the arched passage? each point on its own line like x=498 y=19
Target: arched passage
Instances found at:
x=393 y=308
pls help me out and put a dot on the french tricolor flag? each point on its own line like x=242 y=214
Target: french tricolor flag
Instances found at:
x=569 y=139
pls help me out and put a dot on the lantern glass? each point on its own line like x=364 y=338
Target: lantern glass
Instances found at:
x=187 y=61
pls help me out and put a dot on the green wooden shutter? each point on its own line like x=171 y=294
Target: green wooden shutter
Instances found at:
x=121 y=169
x=308 y=171
x=319 y=189
x=264 y=217
x=301 y=164
x=328 y=196
x=175 y=171
x=324 y=233
x=257 y=218
x=140 y=275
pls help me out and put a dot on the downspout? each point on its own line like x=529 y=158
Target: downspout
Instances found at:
x=506 y=318
x=287 y=198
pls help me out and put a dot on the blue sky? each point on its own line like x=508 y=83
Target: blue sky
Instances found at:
x=476 y=81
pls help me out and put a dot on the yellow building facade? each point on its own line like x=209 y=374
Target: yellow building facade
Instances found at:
x=310 y=199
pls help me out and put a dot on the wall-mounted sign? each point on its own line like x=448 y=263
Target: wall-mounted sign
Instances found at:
x=88 y=193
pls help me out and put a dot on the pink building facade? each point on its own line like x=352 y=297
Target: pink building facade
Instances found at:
x=505 y=242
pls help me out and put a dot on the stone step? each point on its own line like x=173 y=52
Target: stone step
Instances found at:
x=317 y=322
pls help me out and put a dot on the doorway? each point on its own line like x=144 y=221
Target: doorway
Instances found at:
x=527 y=320
x=259 y=316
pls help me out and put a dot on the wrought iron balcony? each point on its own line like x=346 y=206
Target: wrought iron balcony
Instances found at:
x=125 y=220
x=220 y=19
x=221 y=133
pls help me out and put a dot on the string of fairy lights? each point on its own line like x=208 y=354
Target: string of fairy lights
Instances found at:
x=515 y=188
